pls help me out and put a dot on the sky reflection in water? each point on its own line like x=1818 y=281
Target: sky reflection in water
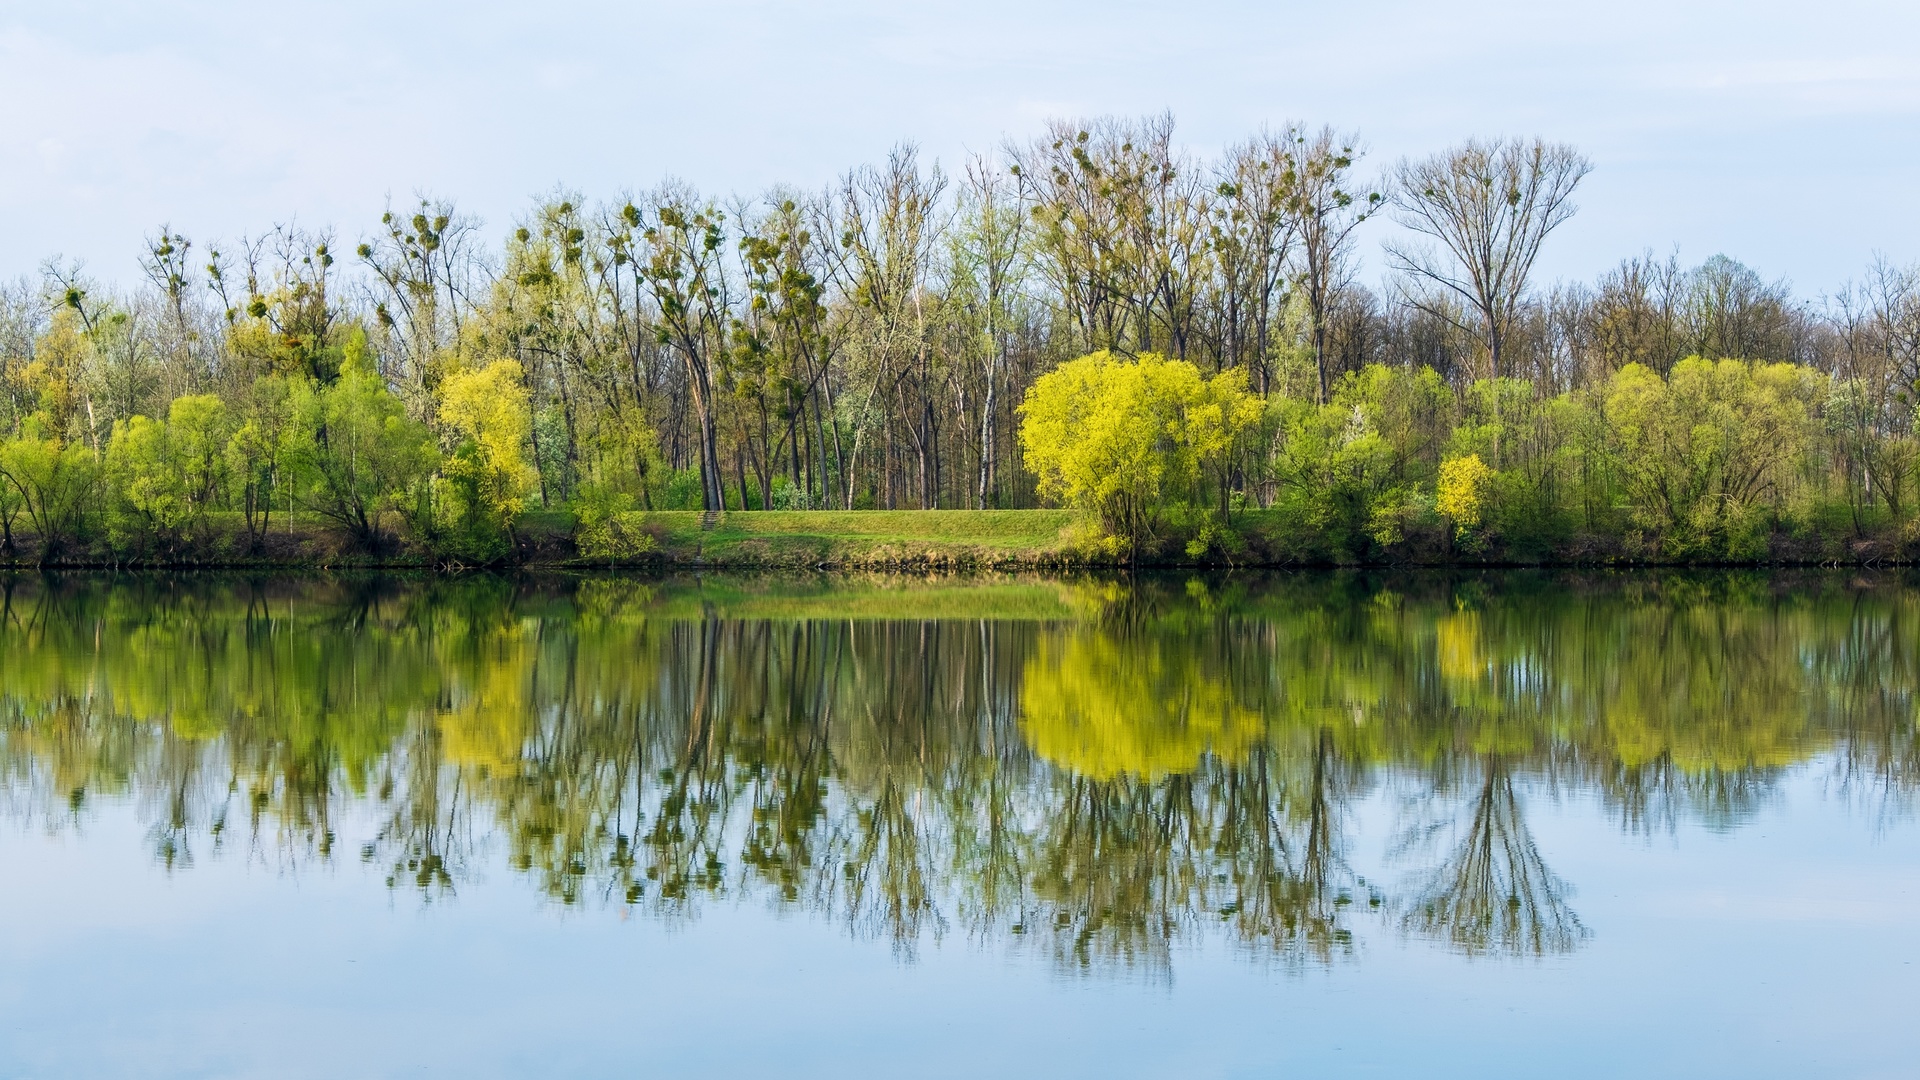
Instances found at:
x=1219 y=826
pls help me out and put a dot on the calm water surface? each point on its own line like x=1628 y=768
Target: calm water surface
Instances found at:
x=1514 y=825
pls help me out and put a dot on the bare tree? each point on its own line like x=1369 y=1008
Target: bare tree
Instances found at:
x=1120 y=231
x=430 y=275
x=168 y=269
x=1251 y=231
x=1324 y=211
x=989 y=258
x=1729 y=311
x=1892 y=294
x=889 y=223
x=1633 y=317
x=684 y=267
x=1490 y=205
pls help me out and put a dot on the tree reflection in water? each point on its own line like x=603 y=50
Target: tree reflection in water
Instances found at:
x=1493 y=893
x=1100 y=770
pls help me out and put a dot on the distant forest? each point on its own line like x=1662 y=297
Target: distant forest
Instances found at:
x=871 y=345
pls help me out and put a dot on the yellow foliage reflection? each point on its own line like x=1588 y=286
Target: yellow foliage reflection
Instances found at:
x=488 y=727
x=1457 y=647
x=1102 y=707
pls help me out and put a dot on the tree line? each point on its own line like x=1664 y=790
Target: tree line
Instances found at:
x=876 y=344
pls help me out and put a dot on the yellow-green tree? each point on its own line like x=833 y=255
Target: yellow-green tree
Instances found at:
x=1461 y=490
x=256 y=453
x=485 y=411
x=1126 y=438
x=354 y=453
x=145 y=481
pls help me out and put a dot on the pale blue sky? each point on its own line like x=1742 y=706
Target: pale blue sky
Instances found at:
x=1784 y=134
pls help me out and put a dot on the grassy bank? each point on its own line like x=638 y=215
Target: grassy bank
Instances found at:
x=868 y=538
x=1254 y=537
x=917 y=540
x=988 y=596
x=880 y=539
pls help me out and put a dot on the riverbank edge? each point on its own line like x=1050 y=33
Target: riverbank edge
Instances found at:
x=916 y=540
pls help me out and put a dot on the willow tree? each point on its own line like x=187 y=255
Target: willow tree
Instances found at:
x=354 y=454
x=53 y=481
x=1706 y=453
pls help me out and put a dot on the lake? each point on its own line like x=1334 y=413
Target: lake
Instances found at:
x=1512 y=824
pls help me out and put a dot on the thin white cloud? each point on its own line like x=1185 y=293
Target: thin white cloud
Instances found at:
x=1710 y=122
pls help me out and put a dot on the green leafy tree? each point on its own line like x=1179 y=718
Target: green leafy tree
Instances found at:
x=1709 y=452
x=354 y=453
x=10 y=507
x=256 y=454
x=55 y=482
x=1351 y=473
x=624 y=467
x=198 y=429
x=150 y=495
x=166 y=476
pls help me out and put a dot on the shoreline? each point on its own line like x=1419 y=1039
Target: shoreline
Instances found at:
x=922 y=541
